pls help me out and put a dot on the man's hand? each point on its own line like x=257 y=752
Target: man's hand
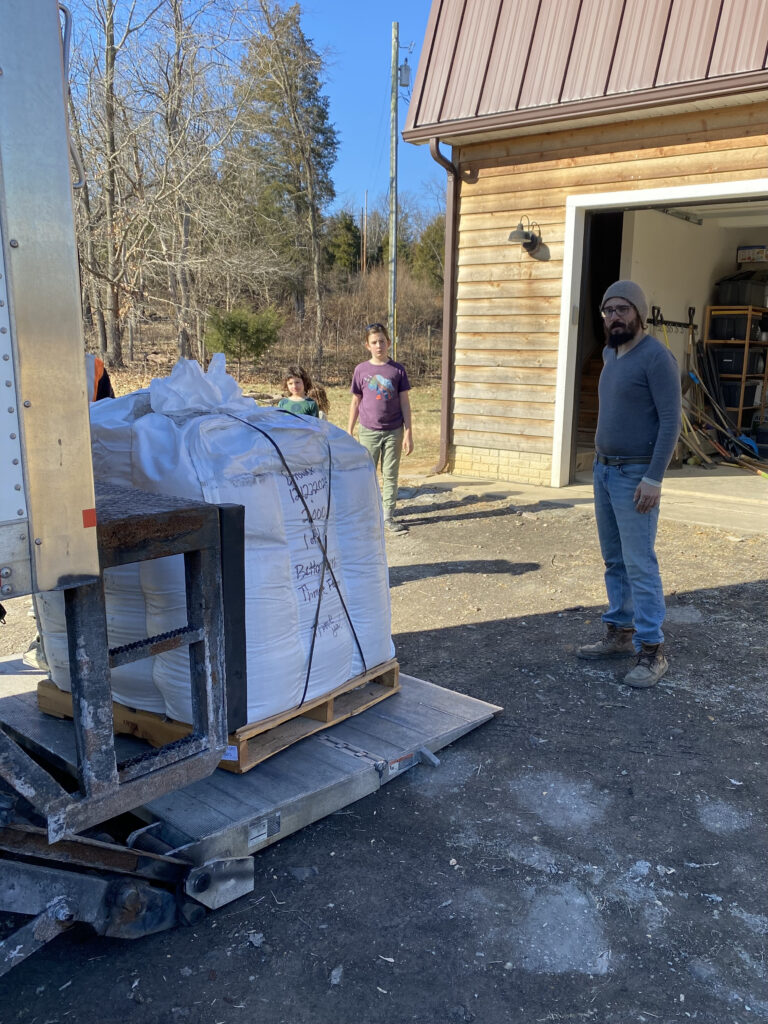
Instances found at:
x=407 y=442
x=647 y=496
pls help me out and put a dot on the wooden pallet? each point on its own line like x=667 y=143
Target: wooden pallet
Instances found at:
x=253 y=743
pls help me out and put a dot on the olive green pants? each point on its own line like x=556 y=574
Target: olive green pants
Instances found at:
x=385 y=447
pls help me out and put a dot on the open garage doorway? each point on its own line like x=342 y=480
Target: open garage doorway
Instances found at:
x=602 y=266
x=677 y=244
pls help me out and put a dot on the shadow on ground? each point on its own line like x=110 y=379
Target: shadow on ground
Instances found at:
x=420 y=505
x=399 y=574
x=595 y=853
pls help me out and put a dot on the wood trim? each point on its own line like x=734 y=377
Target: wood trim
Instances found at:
x=602 y=141
x=569 y=173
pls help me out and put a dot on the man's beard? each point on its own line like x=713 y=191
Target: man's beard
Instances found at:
x=620 y=333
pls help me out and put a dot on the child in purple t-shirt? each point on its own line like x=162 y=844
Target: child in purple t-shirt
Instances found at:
x=380 y=399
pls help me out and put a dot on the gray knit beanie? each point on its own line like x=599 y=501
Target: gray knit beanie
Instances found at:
x=632 y=293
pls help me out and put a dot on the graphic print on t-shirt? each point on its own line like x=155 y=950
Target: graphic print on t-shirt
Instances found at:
x=382 y=386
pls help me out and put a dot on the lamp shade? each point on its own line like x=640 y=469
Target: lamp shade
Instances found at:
x=529 y=238
x=519 y=235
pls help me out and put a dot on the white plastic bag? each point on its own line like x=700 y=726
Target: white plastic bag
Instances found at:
x=198 y=437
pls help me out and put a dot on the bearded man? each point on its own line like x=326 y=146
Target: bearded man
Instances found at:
x=638 y=426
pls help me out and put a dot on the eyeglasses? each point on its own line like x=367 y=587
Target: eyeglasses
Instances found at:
x=375 y=327
x=611 y=311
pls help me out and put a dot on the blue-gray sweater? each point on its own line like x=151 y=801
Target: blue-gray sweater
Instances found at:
x=640 y=405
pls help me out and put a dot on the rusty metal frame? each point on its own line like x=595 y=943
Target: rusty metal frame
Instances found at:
x=22 y=840
x=126 y=908
x=134 y=526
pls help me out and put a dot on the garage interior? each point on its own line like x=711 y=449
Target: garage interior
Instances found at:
x=679 y=253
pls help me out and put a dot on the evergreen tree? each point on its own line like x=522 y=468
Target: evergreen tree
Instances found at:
x=342 y=242
x=287 y=134
x=241 y=334
x=428 y=252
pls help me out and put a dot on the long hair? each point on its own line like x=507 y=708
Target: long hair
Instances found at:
x=318 y=392
x=301 y=373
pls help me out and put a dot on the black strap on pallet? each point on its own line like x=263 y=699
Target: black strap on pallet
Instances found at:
x=321 y=542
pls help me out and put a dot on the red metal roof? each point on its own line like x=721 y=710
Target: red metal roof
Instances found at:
x=490 y=64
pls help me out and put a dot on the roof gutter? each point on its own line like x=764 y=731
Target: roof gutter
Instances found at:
x=449 y=298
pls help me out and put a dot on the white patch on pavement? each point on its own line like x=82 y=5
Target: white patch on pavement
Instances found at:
x=681 y=614
x=561 y=932
x=559 y=801
x=722 y=818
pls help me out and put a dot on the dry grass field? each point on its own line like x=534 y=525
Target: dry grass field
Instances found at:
x=425 y=402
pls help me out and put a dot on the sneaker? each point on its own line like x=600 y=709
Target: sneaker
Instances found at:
x=616 y=642
x=392 y=526
x=650 y=667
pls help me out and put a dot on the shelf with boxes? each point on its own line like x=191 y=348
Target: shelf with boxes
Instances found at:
x=737 y=338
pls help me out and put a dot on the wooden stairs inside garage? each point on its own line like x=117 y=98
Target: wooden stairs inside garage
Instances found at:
x=586 y=424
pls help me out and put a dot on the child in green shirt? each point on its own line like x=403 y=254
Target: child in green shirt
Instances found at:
x=297 y=383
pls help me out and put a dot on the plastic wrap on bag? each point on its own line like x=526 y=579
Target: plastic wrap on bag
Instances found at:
x=312 y=620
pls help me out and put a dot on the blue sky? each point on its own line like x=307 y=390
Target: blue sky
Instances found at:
x=356 y=38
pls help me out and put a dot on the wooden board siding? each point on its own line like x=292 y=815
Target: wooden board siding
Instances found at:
x=705 y=126
x=508 y=304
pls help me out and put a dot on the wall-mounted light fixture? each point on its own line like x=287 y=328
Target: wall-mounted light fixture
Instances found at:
x=529 y=237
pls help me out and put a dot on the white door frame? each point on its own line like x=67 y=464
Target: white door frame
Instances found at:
x=576 y=209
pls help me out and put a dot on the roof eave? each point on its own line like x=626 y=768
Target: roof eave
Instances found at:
x=462 y=131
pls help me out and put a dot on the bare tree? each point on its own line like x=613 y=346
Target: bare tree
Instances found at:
x=101 y=93
x=208 y=149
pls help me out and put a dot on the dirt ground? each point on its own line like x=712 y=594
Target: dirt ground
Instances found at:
x=592 y=854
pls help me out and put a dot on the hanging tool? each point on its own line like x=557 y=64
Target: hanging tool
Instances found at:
x=688 y=435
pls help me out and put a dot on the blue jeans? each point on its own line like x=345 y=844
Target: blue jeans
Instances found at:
x=627 y=538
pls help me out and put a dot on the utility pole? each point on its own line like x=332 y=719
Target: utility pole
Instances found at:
x=392 y=317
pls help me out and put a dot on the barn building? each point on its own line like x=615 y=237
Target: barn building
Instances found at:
x=611 y=139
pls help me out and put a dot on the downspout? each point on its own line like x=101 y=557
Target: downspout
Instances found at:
x=449 y=298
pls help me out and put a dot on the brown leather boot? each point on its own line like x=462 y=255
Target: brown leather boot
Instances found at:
x=617 y=642
x=651 y=666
